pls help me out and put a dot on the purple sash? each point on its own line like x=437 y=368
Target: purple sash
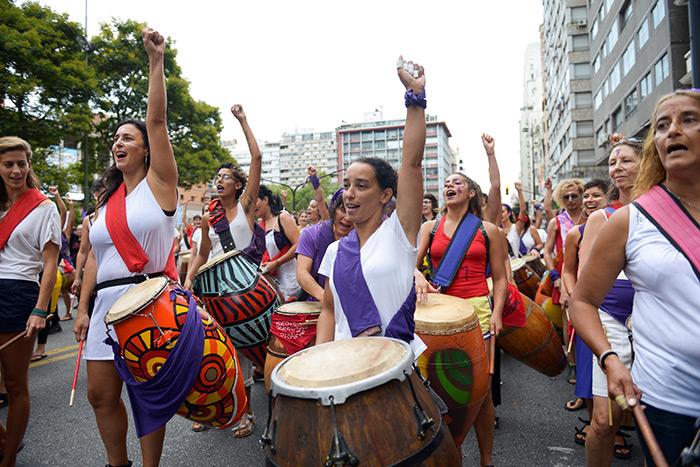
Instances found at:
x=155 y=401
x=356 y=298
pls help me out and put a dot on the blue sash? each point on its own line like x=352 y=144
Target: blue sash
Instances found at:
x=455 y=251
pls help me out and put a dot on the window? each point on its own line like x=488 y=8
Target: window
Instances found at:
x=606 y=87
x=646 y=86
x=580 y=42
x=661 y=69
x=596 y=64
x=594 y=28
x=617 y=119
x=601 y=12
x=614 y=77
x=608 y=5
x=583 y=100
x=631 y=102
x=611 y=40
x=658 y=13
x=584 y=129
x=628 y=58
x=582 y=70
x=603 y=50
x=598 y=100
x=600 y=136
x=578 y=13
x=625 y=13
x=643 y=34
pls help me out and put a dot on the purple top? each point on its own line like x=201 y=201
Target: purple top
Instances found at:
x=313 y=243
x=618 y=303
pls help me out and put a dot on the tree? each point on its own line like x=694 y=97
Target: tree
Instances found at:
x=304 y=195
x=121 y=63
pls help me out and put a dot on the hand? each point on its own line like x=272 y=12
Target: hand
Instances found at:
x=82 y=323
x=75 y=288
x=620 y=381
x=518 y=186
x=422 y=286
x=495 y=326
x=53 y=191
x=535 y=252
x=237 y=111
x=412 y=75
x=284 y=194
x=153 y=41
x=69 y=202
x=548 y=183
x=616 y=138
x=185 y=203
x=489 y=143
x=311 y=170
x=34 y=325
x=563 y=300
x=188 y=284
x=271 y=266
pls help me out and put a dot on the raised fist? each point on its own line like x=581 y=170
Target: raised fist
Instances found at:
x=489 y=143
x=53 y=191
x=412 y=75
x=548 y=183
x=311 y=170
x=237 y=111
x=518 y=186
x=153 y=41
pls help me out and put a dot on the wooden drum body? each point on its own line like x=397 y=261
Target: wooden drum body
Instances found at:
x=537 y=344
x=552 y=311
x=456 y=362
x=536 y=264
x=294 y=323
x=355 y=402
x=148 y=322
x=526 y=279
x=241 y=300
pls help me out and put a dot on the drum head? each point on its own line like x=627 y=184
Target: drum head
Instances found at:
x=444 y=314
x=218 y=260
x=299 y=308
x=516 y=263
x=342 y=368
x=136 y=298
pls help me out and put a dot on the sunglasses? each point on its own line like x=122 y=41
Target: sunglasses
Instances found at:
x=568 y=197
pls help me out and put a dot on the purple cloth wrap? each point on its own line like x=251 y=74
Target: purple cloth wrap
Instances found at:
x=618 y=302
x=254 y=252
x=155 y=401
x=554 y=275
x=413 y=99
x=337 y=195
x=315 y=182
x=402 y=325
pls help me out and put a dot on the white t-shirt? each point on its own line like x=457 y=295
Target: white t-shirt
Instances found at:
x=514 y=240
x=388 y=261
x=20 y=258
x=665 y=319
x=197 y=237
x=240 y=231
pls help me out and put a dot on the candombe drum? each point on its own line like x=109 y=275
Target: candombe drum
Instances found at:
x=240 y=300
x=456 y=362
x=536 y=264
x=535 y=345
x=293 y=328
x=147 y=321
x=526 y=279
x=552 y=311
x=355 y=402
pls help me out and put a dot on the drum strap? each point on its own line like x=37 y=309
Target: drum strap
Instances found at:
x=456 y=249
x=127 y=280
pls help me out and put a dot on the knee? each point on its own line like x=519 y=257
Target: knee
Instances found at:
x=102 y=398
x=16 y=388
x=600 y=424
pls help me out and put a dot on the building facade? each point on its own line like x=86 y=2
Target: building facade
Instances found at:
x=638 y=55
x=384 y=139
x=532 y=125
x=299 y=150
x=270 y=158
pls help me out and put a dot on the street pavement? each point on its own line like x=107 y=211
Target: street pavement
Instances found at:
x=535 y=430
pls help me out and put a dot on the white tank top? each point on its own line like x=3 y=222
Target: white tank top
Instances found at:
x=240 y=231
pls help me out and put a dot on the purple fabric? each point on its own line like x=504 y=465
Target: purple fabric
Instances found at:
x=337 y=195
x=353 y=292
x=402 y=325
x=155 y=401
x=254 y=252
x=280 y=239
x=315 y=182
x=415 y=99
x=313 y=243
x=618 y=302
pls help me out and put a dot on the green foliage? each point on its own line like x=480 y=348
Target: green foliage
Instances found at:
x=304 y=195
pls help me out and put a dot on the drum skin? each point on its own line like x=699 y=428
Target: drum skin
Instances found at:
x=455 y=363
x=527 y=280
x=217 y=398
x=240 y=300
x=535 y=345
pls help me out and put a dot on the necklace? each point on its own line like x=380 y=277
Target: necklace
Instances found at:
x=690 y=205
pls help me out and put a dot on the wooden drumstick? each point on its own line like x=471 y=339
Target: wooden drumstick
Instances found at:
x=75 y=375
x=571 y=341
x=13 y=340
x=492 y=363
x=649 y=438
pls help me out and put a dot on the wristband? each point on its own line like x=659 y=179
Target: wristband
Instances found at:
x=39 y=312
x=490 y=154
x=413 y=99
x=538 y=207
x=554 y=275
x=603 y=356
x=535 y=248
x=315 y=182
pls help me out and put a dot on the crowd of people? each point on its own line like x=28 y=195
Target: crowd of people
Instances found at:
x=621 y=260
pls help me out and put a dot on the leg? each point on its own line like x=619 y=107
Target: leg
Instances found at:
x=600 y=440
x=152 y=447
x=104 y=394
x=15 y=370
x=247 y=424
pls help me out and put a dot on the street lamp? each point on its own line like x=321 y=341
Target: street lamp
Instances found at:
x=294 y=190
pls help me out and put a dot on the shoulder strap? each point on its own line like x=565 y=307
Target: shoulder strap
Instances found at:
x=430 y=245
x=455 y=251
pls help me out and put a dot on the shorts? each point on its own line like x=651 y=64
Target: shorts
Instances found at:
x=483 y=311
x=17 y=300
x=618 y=337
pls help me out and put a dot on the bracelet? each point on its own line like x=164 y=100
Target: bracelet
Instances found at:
x=39 y=312
x=604 y=355
x=413 y=99
x=554 y=275
x=523 y=220
x=315 y=182
x=538 y=207
x=490 y=153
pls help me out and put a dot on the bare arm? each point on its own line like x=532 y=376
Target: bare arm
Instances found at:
x=184 y=216
x=49 y=257
x=538 y=241
x=162 y=174
x=82 y=321
x=493 y=209
x=305 y=280
x=422 y=285
x=410 y=184
x=519 y=224
x=497 y=259
x=82 y=255
x=549 y=244
x=53 y=191
x=548 y=200
x=68 y=226
x=250 y=195
x=202 y=254
x=594 y=225
x=570 y=271
x=318 y=193
x=325 y=328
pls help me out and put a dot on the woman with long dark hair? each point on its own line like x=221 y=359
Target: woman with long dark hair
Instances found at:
x=132 y=236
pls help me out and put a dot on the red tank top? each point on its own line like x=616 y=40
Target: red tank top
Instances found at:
x=470 y=280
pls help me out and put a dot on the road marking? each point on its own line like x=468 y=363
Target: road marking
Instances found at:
x=62 y=349
x=561 y=449
x=53 y=359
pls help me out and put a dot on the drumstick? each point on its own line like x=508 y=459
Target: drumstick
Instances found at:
x=648 y=435
x=13 y=340
x=571 y=341
x=75 y=375
x=492 y=366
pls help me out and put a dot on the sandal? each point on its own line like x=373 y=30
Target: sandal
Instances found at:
x=621 y=448
x=197 y=427
x=37 y=357
x=575 y=404
x=580 y=436
x=245 y=427
x=571 y=376
x=67 y=317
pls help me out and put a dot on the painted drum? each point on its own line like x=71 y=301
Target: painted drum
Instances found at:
x=526 y=279
x=456 y=362
x=355 y=402
x=241 y=300
x=147 y=321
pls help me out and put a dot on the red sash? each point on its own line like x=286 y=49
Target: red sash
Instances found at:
x=673 y=221
x=266 y=256
x=124 y=241
x=22 y=207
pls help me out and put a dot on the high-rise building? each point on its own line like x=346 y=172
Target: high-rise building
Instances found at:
x=569 y=102
x=638 y=51
x=532 y=125
x=384 y=139
x=270 y=158
x=301 y=149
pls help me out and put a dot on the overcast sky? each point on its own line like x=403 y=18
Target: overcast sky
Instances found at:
x=314 y=64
